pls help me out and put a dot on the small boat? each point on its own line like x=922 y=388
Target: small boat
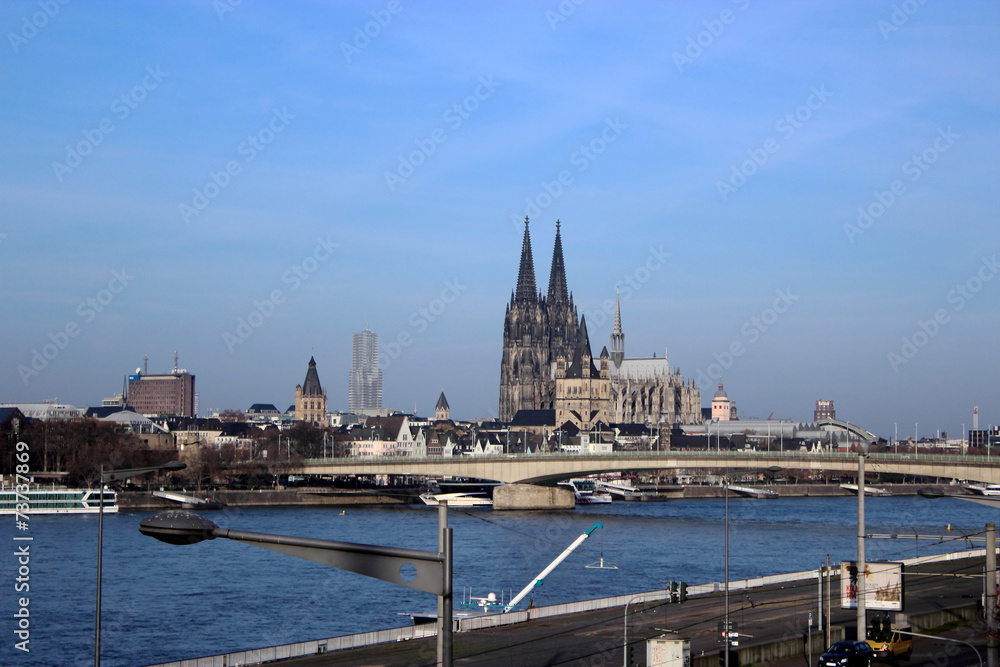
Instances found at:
x=754 y=492
x=56 y=501
x=190 y=502
x=457 y=499
x=876 y=491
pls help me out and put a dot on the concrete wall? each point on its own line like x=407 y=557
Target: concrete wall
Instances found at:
x=793 y=647
x=129 y=502
x=761 y=654
x=528 y=497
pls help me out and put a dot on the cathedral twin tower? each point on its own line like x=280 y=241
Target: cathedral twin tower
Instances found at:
x=548 y=365
x=537 y=330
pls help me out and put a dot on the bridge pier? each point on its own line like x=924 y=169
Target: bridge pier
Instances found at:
x=530 y=497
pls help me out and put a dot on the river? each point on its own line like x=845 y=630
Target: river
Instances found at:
x=164 y=602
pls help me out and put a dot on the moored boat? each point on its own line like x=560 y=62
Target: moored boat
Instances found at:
x=457 y=499
x=585 y=492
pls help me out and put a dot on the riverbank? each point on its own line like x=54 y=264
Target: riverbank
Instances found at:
x=326 y=496
x=295 y=497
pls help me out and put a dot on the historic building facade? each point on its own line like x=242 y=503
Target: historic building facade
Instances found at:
x=583 y=393
x=310 y=398
x=540 y=329
x=646 y=390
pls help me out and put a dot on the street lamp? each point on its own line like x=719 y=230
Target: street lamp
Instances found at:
x=725 y=479
x=625 y=640
x=992 y=642
x=114 y=476
x=433 y=569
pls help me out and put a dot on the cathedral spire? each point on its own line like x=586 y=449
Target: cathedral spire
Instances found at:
x=583 y=359
x=617 y=335
x=526 y=274
x=557 y=276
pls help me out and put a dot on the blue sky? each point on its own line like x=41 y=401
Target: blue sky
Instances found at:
x=274 y=159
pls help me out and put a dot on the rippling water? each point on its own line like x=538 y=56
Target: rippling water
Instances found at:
x=163 y=602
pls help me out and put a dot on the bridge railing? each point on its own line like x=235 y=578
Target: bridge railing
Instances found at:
x=750 y=455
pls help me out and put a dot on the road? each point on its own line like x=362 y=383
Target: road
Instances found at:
x=762 y=615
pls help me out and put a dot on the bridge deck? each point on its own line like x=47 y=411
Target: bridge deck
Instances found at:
x=550 y=468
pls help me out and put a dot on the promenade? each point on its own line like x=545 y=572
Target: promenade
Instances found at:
x=772 y=621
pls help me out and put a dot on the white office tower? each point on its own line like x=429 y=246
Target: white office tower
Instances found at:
x=364 y=391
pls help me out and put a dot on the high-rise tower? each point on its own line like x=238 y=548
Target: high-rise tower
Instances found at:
x=364 y=387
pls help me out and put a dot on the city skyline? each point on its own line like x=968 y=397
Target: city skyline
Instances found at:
x=799 y=196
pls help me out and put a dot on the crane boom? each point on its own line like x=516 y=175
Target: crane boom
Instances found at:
x=537 y=581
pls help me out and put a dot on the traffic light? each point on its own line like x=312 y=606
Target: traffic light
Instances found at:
x=628 y=654
x=673 y=592
x=684 y=592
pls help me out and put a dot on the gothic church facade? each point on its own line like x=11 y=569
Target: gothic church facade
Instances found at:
x=540 y=330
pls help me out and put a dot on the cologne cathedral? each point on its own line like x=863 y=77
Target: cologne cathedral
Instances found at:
x=543 y=338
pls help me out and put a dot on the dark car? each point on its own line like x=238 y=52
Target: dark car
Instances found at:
x=847 y=654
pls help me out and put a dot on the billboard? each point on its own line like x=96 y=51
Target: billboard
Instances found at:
x=883 y=586
x=664 y=652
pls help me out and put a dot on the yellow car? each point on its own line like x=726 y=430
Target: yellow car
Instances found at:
x=889 y=644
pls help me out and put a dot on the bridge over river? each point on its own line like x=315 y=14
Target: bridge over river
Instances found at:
x=545 y=470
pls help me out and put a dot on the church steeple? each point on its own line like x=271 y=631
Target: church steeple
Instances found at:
x=617 y=335
x=526 y=290
x=557 y=276
x=583 y=358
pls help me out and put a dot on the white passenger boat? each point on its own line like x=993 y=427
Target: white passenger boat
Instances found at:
x=56 y=501
x=585 y=492
x=984 y=489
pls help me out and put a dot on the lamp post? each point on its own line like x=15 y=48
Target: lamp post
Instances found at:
x=113 y=476
x=433 y=569
x=725 y=480
x=625 y=640
x=992 y=641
